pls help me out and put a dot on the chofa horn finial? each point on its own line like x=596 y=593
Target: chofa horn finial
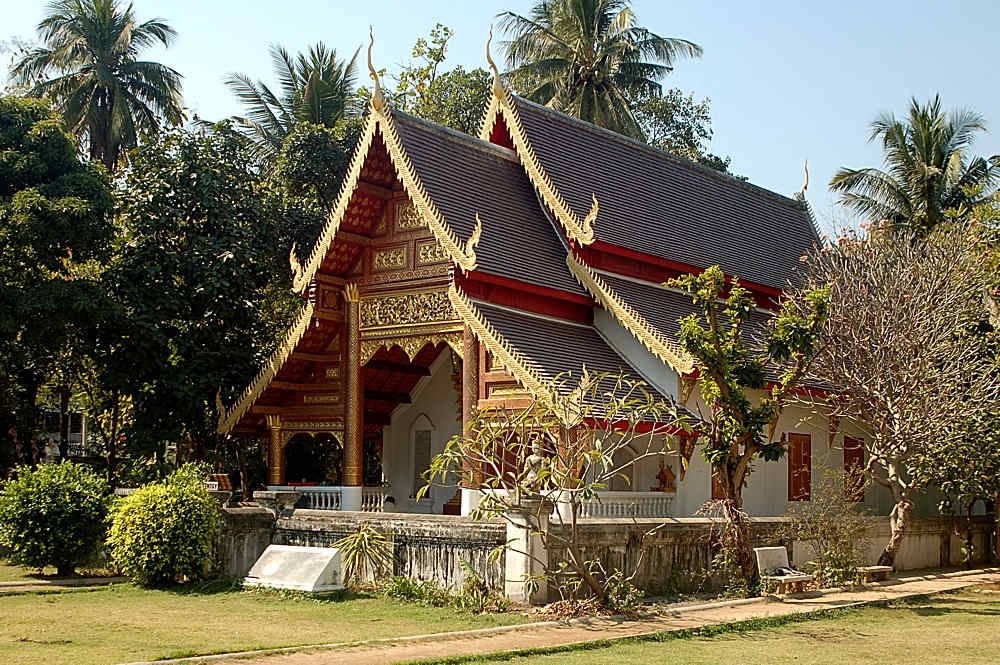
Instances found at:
x=801 y=194
x=378 y=99
x=497 y=85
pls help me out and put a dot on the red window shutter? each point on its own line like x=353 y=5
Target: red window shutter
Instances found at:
x=854 y=464
x=799 y=467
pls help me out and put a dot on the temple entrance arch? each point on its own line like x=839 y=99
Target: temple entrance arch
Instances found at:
x=313 y=458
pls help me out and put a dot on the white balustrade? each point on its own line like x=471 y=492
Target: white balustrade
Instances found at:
x=320 y=497
x=373 y=499
x=627 y=505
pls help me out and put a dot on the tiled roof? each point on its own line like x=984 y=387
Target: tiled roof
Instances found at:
x=463 y=176
x=666 y=206
x=557 y=349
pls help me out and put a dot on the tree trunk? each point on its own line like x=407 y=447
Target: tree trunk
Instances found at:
x=64 y=395
x=241 y=462
x=898 y=519
x=113 y=443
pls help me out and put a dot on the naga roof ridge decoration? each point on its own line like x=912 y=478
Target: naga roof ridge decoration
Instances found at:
x=665 y=349
x=275 y=362
x=682 y=161
x=381 y=120
x=502 y=350
x=501 y=103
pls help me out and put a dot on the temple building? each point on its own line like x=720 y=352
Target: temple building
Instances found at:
x=459 y=273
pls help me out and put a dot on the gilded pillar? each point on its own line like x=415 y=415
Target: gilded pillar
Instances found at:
x=275 y=458
x=470 y=398
x=353 y=416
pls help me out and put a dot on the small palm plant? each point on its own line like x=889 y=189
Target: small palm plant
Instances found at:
x=365 y=554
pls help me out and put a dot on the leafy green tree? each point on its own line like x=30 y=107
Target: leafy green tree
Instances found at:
x=313 y=160
x=105 y=93
x=928 y=168
x=202 y=281
x=676 y=123
x=453 y=98
x=53 y=516
x=740 y=430
x=314 y=87
x=54 y=228
x=588 y=58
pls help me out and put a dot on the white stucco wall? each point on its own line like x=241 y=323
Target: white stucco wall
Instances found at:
x=435 y=399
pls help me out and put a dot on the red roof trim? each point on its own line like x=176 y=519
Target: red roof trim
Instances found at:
x=674 y=266
x=527 y=297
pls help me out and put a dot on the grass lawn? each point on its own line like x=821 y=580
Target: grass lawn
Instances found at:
x=10 y=573
x=958 y=629
x=124 y=623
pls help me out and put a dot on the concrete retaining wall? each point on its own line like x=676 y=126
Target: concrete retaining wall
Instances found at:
x=244 y=535
x=426 y=547
x=675 y=557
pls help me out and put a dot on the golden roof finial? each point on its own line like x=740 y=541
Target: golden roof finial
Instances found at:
x=489 y=59
x=378 y=99
x=801 y=194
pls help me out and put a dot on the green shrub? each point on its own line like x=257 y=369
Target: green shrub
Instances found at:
x=422 y=592
x=55 y=515
x=165 y=532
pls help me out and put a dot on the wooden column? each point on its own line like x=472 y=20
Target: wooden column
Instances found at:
x=353 y=415
x=471 y=475
x=275 y=458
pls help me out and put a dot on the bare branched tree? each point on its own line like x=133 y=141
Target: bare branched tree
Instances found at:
x=540 y=464
x=900 y=351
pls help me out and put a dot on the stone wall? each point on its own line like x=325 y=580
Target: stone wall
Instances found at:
x=675 y=557
x=244 y=535
x=426 y=547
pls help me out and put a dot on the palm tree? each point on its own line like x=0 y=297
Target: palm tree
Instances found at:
x=314 y=87
x=105 y=93
x=589 y=59
x=927 y=169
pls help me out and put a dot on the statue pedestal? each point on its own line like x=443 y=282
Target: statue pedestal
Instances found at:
x=526 y=558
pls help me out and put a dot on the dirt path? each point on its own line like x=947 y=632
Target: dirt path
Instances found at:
x=57 y=584
x=581 y=631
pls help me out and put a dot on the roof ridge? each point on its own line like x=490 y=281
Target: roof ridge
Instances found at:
x=473 y=141
x=680 y=161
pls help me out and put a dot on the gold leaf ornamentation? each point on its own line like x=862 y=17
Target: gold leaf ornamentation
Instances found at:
x=408 y=217
x=410 y=344
x=389 y=259
x=431 y=252
x=406 y=309
x=321 y=398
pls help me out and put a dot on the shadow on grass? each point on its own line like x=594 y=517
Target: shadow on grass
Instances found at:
x=235 y=585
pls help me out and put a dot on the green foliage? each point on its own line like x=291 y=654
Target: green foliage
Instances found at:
x=55 y=231
x=589 y=59
x=678 y=124
x=313 y=160
x=202 y=281
x=315 y=86
x=833 y=526
x=928 y=170
x=367 y=553
x=104 y=91
x=54 y=515
x=453 y=98
x=166 y=532
x=730 y=368
x=475 y=595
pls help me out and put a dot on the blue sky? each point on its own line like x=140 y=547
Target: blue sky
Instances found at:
x=788 y=81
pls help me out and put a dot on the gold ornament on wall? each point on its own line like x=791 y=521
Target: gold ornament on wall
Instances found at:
x=406 y=309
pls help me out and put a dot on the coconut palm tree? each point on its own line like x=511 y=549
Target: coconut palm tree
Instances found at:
x=313 y=87
x=589 y=59
x=105 y=93
x=928 y=170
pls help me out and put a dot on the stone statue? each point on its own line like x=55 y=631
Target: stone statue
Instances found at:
x=666 y=480
x=533 y=464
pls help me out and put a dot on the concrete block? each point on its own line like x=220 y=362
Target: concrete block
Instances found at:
x=312 y=569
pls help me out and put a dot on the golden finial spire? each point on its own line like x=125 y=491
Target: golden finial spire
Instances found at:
x=378 y=99
x=489 y=59
x=801 y=195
